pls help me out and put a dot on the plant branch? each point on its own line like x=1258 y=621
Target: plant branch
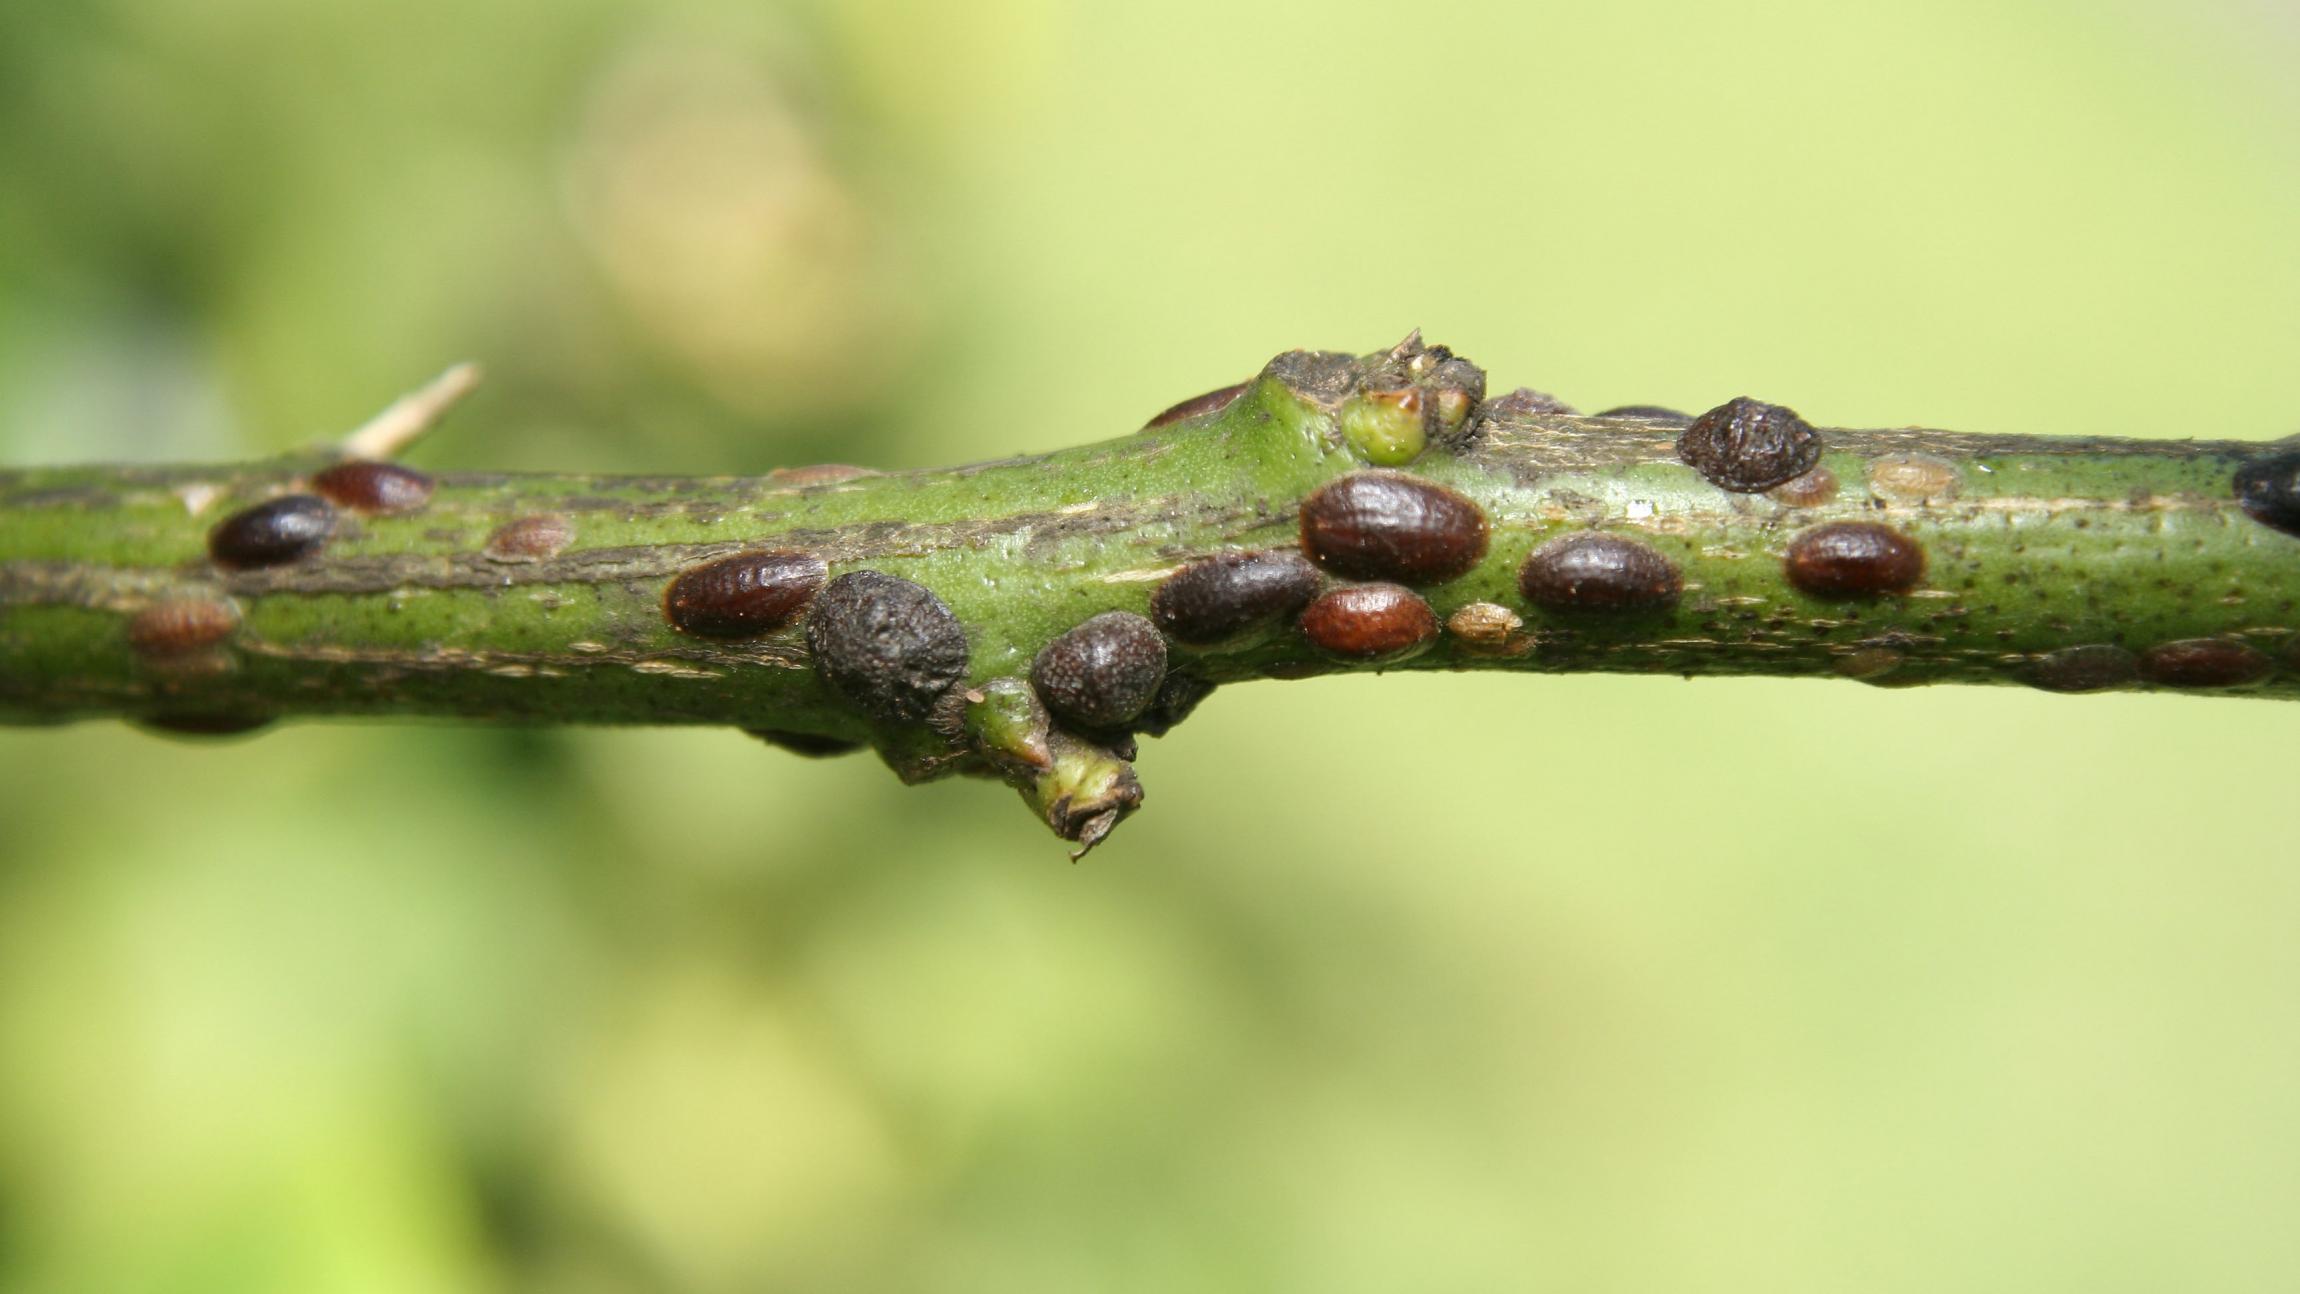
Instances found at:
x=198 y=598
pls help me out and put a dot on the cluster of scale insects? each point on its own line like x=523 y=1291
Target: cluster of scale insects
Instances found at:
x=1368 y=541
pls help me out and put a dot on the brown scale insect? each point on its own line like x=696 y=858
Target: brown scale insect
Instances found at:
x=530 y=539
x=1197 y=406
x=1647 y=413
x=180 y=626
x=1487 y=628
x=887 y=645
x=1850 y=559
x=1523 y=401
x=1748 y=446
x=1228 y=595
x=1869 y=664
x=1811 y=490
x=2268 y=490
x=810 y=744
x=1914 y=478
x=1102 y=673
x=2204 y=662
x=1388 y=526
x=379 y=489
x=2093 y=667
x=1599 y=572
x=743 y=596
x=819 y=474
x=272 y=533
x=1370 y=622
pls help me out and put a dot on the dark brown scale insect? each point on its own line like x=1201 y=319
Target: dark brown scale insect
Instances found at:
x=1748 y=446
x=1598 y=572
x=1198 y=406
x=204 y=723
x=810 y=744
x=530 y=539
x=181 y=625
x=1103 y=672
x=1524 y=400
x=2204 y=662
x=381 y=489
x=2094 y=667
x=1177 y=697
x=1225 y=596
x=1387 y=526
x=889 y=646
x=1850 y=559
x=2269 y=490
x=272 y=533
x=1648 y=413
x=743 y=596
x=1370 y=622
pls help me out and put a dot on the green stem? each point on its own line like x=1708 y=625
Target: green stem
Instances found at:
x=2057 y=562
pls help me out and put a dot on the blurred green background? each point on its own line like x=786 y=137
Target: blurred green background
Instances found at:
x=1419 y=983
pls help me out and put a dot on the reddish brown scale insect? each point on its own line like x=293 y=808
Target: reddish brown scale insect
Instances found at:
x=1387 y=526
x=1370 y=622
x=380 y=489
x=2204 y=662
x=812 y=745
x=530 y=539
x=1599 y=572
x=1228 y=595
x=2269 y=492
x=1748 y=446
x=1102 y=673
x=1850 y=559
x=272 y=533
x=2093 y=667
x=743 y=596
x=1811 y=490
x=1198 y=406
x=180 y=626
x=886 y=644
